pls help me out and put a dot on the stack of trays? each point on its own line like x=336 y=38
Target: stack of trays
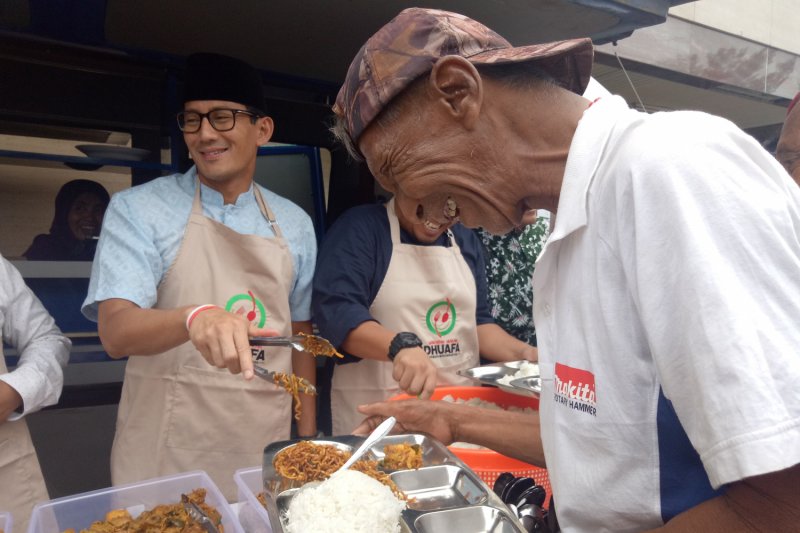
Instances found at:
x=444 y=494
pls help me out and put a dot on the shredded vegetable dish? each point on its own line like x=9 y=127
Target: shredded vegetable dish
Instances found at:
x=307 y=461
x=319 y=346
x=167 y=518
x=402 y=456
x=293 y=385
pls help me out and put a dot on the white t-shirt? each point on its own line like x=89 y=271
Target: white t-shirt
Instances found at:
x=667 y=302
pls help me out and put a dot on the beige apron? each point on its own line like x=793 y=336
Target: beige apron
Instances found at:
x=430 y=291
x=21 y=481
x=178 y=413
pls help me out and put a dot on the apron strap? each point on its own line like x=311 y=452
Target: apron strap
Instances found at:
x=266 y=211
x=269 y=216
x=453 y=242
x=394 y=223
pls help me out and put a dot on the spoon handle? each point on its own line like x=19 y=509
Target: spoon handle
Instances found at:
x=381 y=431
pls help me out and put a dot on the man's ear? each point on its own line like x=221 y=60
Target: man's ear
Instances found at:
x=456 y=83
x=265 y=129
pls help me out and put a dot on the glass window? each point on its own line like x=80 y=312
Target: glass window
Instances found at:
x=298 y=173
x=48 y=193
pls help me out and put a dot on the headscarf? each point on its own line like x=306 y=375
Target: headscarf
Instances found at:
x=66 y=196
x=60 y=244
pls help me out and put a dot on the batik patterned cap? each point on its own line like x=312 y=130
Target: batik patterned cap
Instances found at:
x=411 y=43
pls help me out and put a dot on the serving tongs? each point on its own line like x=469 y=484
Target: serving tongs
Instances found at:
x=198 y=515
x=312 y=344
x=304 y=385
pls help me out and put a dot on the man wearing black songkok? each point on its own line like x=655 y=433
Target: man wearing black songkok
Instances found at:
x=188 y=267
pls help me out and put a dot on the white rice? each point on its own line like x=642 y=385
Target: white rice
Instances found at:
x=347 y=501
x=525 y=369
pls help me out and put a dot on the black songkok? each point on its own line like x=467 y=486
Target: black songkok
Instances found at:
x=218 y=77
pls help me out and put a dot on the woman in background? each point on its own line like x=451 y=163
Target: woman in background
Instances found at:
x=80 y=206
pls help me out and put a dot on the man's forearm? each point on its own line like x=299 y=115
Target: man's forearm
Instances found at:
x=511 y=433
x=498 y=345
x=127 y=329
x=369 y=340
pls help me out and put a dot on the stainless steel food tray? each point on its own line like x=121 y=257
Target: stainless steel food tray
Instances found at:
x=444 y=494
x=491 y=374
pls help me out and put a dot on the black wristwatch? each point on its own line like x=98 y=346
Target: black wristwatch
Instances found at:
x=404 y=339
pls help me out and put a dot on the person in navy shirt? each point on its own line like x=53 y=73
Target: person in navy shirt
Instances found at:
x=406 y=301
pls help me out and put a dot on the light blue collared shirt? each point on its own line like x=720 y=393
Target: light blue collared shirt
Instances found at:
x=143 y=228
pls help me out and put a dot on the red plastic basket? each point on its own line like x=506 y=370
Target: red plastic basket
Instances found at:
x=489 y=464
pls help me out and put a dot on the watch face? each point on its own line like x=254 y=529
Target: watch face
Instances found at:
x=402 y=340
x=409 y=339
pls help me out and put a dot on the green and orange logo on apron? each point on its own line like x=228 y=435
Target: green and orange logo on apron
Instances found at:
x=249 y=306
x=441 y=317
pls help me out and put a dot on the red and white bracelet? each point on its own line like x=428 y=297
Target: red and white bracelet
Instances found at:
x=196 y=311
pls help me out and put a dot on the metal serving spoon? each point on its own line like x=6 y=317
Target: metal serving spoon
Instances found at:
x=377 y=434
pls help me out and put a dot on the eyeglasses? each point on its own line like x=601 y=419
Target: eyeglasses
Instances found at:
x=220 y=119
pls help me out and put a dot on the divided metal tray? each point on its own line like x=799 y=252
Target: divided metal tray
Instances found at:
x=491 y=374
x=444 y=494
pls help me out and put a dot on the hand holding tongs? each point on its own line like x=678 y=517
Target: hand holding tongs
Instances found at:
x=270 y=375
x=198 y=515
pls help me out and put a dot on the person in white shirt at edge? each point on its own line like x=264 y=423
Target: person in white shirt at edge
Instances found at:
x=35 y=382
x=188 y=267
x=666 y=298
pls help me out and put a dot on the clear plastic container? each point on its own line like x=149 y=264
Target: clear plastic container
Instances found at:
x=5 y=522
x=253 y=516
x=80 y=510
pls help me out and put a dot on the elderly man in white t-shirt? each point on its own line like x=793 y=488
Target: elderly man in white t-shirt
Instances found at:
x=666 y=297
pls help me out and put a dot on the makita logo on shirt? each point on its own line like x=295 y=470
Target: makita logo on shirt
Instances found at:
x=575 y=389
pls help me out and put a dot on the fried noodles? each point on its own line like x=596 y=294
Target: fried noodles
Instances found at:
x=319 y=346
x=307 y=461
x=293 y=385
